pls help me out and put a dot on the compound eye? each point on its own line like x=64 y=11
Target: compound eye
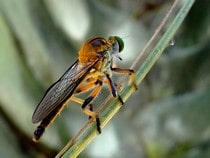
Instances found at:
x=120 y=43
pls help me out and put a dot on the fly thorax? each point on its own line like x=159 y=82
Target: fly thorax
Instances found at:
x=107 y=63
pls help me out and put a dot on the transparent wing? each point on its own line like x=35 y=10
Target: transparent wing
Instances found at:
x=61 y=90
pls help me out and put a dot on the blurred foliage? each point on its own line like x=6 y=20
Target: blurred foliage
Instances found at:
x=167 y=117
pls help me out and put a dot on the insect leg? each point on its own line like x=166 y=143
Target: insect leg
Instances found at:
x=81 y=101
x=90 y=80
x=87 y=102
x=113 y=89
x=76 y=100
x=91 y=109
x=86 y=87
x=129 y=72
x=80 y=89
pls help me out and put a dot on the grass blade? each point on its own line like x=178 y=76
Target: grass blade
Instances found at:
x=114 y=104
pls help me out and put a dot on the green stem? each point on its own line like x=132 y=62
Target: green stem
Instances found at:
x=114 y=104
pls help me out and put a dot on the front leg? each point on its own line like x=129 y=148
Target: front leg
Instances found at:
x=113 y=89
x=130 y=72
x=87 y=102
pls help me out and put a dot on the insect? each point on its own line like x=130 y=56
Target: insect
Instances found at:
x=92 y=69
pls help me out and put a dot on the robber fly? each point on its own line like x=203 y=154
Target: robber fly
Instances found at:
x=92 y=69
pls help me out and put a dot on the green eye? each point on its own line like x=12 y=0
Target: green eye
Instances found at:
x=120 y=43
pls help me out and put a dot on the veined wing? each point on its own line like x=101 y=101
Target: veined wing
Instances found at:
x=61 y=90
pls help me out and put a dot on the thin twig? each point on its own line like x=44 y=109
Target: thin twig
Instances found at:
x=144 y=52
x=71 y=141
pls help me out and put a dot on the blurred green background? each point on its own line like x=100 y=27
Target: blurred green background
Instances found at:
x=167 y=117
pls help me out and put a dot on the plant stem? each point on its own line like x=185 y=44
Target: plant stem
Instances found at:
x=114 y=104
